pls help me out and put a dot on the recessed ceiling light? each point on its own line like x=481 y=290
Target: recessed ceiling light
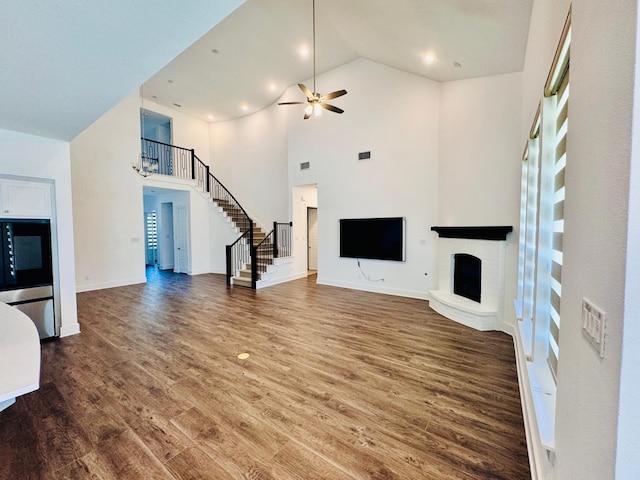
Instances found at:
x=154 y=96
x=215 y=50
x=304 y=52
x=170 y=81
x=457 y=64
x=429 y=58
x=210 y=117
x=272 y=87
x=244 y=107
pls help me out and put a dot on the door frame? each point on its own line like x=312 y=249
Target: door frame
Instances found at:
x=309 y=209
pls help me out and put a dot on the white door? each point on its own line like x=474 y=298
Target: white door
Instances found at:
x=182 y=241
x=312 y=238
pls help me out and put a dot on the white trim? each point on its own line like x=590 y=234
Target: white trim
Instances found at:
x=101 y=286
x=7 y=403
x=374 y=289
x=68 y=330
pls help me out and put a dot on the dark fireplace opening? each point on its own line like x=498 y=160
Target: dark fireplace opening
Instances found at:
x=467 y=276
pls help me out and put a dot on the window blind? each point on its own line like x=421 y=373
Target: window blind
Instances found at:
x=561 y=123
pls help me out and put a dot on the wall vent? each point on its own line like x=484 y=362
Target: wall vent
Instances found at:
x=304 y=165
x=364 y=155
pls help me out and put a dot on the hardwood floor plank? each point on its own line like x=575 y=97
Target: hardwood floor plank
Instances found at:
x=296 y=463
x=126 y=456
x=90 y=467
x=339 y=384
x=194 y=464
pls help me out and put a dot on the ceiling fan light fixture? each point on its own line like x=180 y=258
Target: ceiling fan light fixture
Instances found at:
x=315 y=100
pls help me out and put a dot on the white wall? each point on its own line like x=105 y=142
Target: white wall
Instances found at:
x=107 y=199
x=479 y=163
x=401 y=179
x=303 y=197
x=596 y=212
x=418 y=166
x=480 y=151
x=249 y=157
x=38 y=157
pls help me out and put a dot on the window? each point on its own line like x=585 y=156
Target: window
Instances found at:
x=151 y=237
x=541 y=238
x=528 y=235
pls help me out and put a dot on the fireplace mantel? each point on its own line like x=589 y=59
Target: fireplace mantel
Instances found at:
x=474 y=233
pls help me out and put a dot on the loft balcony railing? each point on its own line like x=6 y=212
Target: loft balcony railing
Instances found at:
x=171 y=160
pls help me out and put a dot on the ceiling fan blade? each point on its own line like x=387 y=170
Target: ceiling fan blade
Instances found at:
x=307 y=116
x=306 y=91
x=336 y=94
x=292 y=103
x=331 y=108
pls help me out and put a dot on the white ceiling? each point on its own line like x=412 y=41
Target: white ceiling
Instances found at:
x=258 y=46
x=64 y=63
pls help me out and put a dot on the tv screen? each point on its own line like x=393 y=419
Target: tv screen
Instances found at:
x=373 y=238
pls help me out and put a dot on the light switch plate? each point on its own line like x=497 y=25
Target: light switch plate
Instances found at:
x=593 y=325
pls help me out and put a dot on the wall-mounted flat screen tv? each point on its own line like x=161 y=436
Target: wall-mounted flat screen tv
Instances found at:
x=374 y=238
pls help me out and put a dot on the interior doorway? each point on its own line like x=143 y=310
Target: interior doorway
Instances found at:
x=155 y=126
x=312 y=239
x=151 y=237
x=166 y=226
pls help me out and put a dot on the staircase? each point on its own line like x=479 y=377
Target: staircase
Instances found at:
x=252 y=253
x=260 y=242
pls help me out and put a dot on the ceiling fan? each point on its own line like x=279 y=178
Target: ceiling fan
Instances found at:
x=315 y=100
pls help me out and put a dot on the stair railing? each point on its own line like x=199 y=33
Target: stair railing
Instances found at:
x=277 y=243
x=282 y=245
x=239 y=254
x=183 y=163
x=262 y=256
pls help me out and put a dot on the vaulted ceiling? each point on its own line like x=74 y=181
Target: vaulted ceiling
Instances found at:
x=63 y=63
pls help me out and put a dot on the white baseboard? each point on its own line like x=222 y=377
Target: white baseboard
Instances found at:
x=276 y=281
x=101 y=286
x=422 y=295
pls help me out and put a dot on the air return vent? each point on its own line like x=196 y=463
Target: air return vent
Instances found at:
x=304 y=165
x=364 y=155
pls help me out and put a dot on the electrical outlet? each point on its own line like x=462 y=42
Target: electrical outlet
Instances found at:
x=593 y=325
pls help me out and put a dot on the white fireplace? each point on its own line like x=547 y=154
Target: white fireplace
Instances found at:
x=488 y=244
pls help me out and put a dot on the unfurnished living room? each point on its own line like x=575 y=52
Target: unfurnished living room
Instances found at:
x=278 y=239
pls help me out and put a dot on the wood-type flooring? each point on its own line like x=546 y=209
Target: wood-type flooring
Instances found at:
x=339 y=384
